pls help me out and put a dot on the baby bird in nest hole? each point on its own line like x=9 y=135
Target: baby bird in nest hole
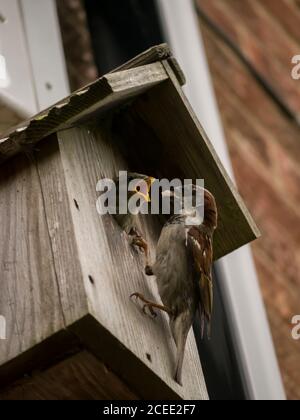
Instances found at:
x=139 y=186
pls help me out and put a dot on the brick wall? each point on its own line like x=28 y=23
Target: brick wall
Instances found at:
x=250 y=44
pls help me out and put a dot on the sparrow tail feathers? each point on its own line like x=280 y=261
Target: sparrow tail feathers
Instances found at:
x=206 y=291
x=180 y=327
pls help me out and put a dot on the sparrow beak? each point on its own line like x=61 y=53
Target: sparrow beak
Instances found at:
x=150 y=180
x=146 y=195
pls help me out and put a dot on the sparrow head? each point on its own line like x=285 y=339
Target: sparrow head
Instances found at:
x=190 y=198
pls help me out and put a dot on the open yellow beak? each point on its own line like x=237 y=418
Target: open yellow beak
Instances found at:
x=150 y=180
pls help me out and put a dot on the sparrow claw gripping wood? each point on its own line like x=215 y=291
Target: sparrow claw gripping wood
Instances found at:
x=138 y=241
x=150 y=305
x=151 y=310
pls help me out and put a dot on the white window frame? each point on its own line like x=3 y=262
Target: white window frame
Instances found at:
x=18 y=92
x=45 y=50
x=31 y=45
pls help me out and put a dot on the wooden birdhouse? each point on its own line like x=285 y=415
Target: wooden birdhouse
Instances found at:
x=66 y=272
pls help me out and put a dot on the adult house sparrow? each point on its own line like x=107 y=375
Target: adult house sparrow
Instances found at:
x=183 y=269
x=140 y=185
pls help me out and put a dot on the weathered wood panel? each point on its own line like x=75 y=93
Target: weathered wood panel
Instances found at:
x=111 y=269
x=61 y=230
x=79 y=377
x=152 y=55
x=29 y=297
x=157 y=53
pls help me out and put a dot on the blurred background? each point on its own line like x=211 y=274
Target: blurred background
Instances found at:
x=237 y=56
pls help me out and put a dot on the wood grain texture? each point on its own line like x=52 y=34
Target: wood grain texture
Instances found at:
x=29 y=296
x=152 y=55
x=79 y=377
x=157 y=53
x=115 y=269
x=61 y=231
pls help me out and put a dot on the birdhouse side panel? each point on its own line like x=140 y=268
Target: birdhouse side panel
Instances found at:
x=58 y=213
x=29 y=298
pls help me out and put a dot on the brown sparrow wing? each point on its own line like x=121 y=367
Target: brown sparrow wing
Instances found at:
x=200 y=246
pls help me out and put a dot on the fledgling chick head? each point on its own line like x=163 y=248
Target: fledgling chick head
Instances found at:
x=141 y=185
x=138 y=184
